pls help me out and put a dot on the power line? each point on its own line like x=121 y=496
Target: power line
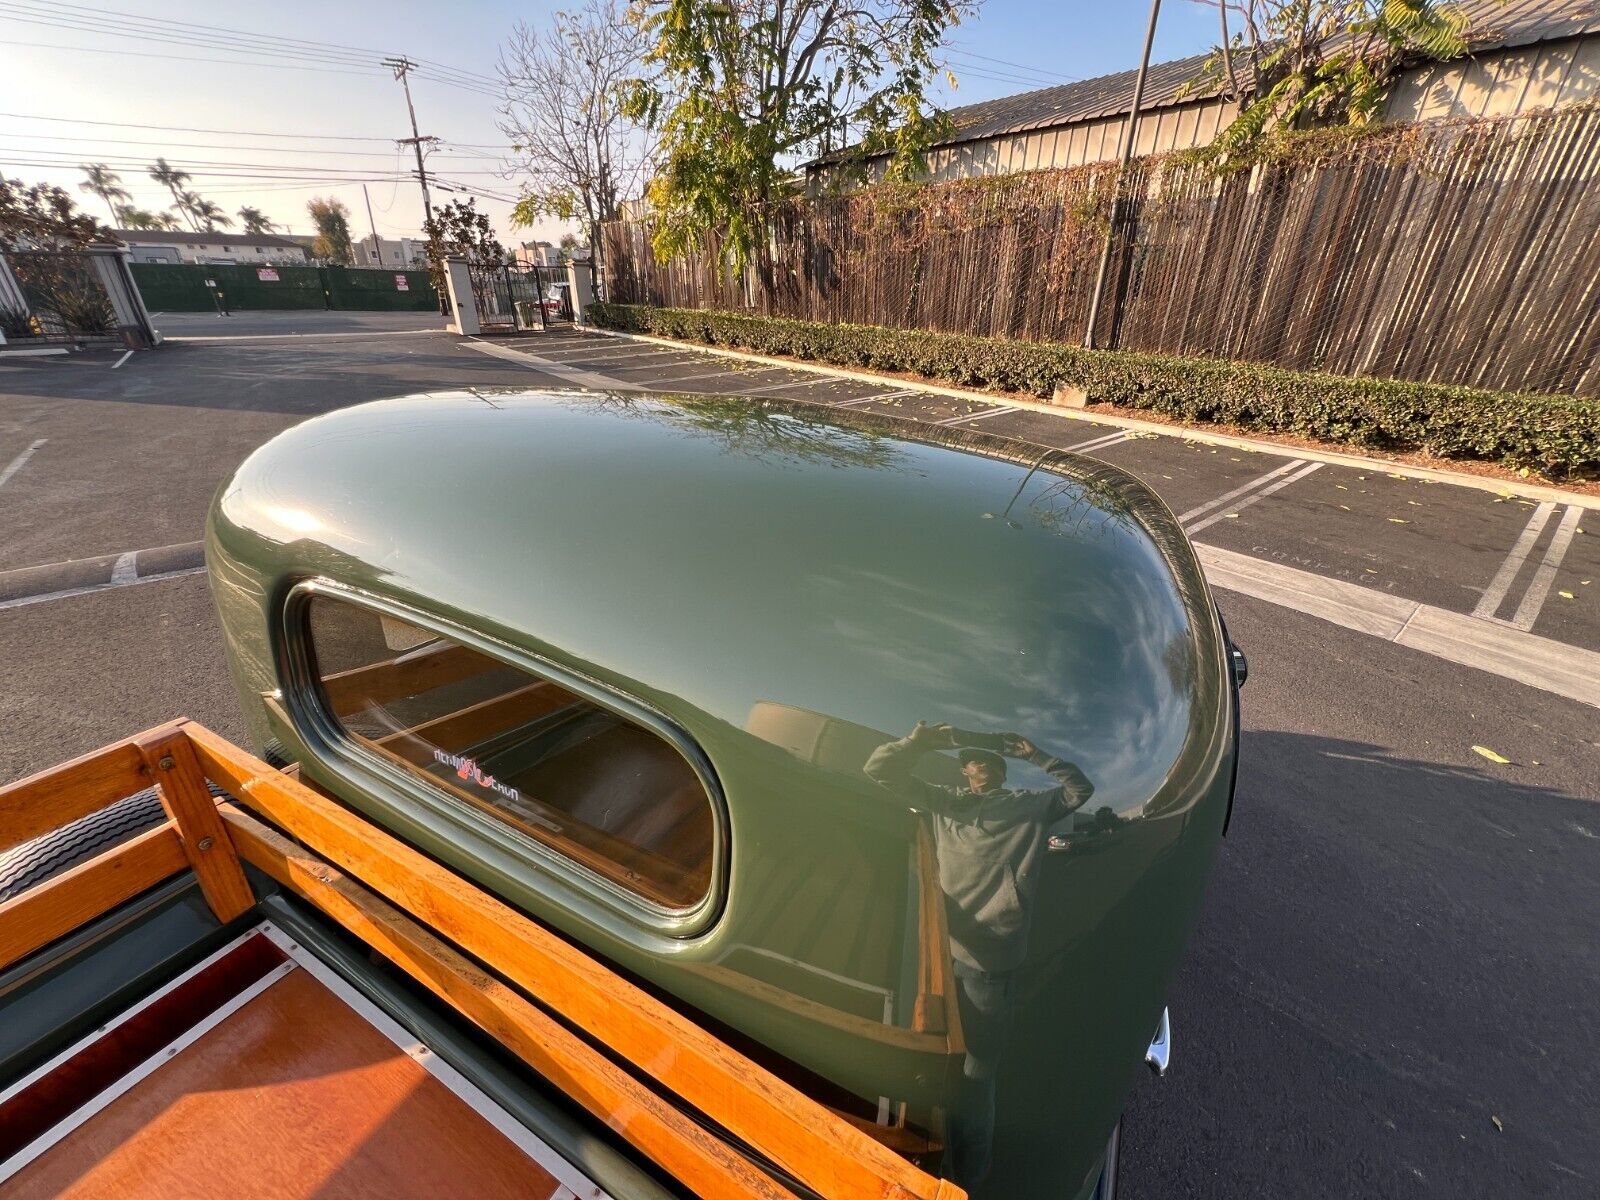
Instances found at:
x=241 y=62
x=214 y=37
x=74 y=158
x=98 y=141
x=1020 y=68
x=320 y=137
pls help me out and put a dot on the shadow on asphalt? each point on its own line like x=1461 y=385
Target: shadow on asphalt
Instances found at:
x=319 y=377
x=1392 y=954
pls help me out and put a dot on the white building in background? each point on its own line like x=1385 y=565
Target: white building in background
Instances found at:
x=536 y=254
x=1523 y=55
x=163 y=246
x=394 y=253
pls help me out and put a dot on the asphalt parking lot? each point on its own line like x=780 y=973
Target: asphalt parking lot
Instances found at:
x=1391 y=989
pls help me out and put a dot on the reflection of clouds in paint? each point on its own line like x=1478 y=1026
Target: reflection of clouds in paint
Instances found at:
x=1102 y=688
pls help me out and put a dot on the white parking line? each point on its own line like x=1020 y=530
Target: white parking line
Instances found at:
x=15 y=464
x=1253 y=498
x=126 y=568
x=593 y=355
x=773 y=387
x=1259 y=481
x=1528 y=611
x=125 y=357
x=1491 y=646
x=91 y=588
x=1101 y=442
x=858 y=401
x=1507 y=574
x=533 y=362
x=983 y=416
x=667 y=385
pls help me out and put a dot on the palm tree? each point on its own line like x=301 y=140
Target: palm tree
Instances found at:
x=168 y=220
x=105 y=183
x=173 y=180
x=255 y=221
x=207 y=214
x=130 y=217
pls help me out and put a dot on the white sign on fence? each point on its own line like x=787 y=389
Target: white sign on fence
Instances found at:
x=401 y=283
x=267 y=274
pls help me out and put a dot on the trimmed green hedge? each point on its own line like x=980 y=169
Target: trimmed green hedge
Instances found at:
x=1558 y=436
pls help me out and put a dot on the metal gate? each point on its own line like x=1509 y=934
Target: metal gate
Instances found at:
x=529 y=297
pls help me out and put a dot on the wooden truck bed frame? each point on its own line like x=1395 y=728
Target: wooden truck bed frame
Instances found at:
x=427 y=921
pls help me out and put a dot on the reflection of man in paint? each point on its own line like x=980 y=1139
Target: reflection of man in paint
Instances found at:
x=990 y=841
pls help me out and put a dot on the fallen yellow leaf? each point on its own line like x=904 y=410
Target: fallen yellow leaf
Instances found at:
x=1346 y=507
x=1399 y=521
x=1498 y=1123
x=1491 y=755
x=1341 y=487
x=1566 y=595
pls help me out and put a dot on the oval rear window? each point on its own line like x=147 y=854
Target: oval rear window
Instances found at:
x=544 y=761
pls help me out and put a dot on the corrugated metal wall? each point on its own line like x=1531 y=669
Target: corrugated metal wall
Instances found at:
x=1493 y=84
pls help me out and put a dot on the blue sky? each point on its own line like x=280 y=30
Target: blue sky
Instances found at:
x=81 y=63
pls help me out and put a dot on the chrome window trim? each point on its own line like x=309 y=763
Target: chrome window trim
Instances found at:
x=338 y=751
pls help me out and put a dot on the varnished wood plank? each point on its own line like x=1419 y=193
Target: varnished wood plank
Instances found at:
x=50 y=799
x=670 y=1138
x=897 y=1137
x=170 y=761
x=816 y=1147
x=476 y=722
x=292 y=1097
x=934 y=1010
x=392 y=679
x=119 y=1050
x=58 y=906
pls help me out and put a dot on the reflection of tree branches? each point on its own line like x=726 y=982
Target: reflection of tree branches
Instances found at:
x=754 y=429
x=1083 y=505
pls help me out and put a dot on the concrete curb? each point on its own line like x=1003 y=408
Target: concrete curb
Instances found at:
x=1360 y=462
x=101 y=571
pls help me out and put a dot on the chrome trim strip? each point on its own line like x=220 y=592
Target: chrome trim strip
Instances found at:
x=1160 y=1052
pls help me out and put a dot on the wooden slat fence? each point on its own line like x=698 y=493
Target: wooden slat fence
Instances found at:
x=1463 y=252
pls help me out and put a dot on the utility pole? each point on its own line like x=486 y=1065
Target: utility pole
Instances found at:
x=1123 y=158
x=377 y=246
x=402 y=67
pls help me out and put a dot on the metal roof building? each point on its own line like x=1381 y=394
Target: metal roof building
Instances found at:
x=1524 y=54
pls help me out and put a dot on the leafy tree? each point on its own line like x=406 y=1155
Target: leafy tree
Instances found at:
x=255 y=221
x=62 y=292
x=745 y=88
x=459 y=229
x=169 y=177
x=105 y=183
x=563 y=114
x=44 y=217
x=1321 y=62
x=332 y=220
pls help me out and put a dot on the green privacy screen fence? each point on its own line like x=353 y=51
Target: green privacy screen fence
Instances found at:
x=183 y=287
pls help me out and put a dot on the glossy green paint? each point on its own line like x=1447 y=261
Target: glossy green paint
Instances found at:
x=792 y=588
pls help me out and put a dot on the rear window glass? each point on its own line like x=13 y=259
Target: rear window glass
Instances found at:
x=548 y=763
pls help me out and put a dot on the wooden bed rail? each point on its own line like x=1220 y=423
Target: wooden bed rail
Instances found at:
x=192 y=836
x=428 y=921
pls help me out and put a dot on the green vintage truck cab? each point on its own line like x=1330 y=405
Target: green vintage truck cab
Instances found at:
x=853 y=782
